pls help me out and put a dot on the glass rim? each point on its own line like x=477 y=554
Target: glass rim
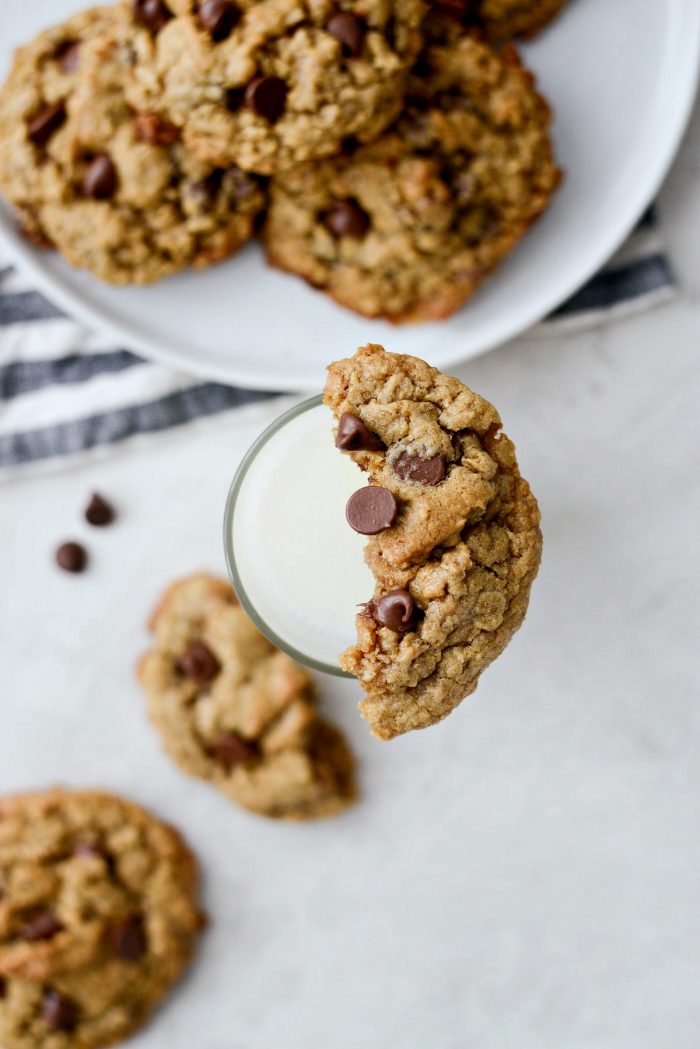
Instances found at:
x=230 y=554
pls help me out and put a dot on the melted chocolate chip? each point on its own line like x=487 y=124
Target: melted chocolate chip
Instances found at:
x=87 y=849
x=347 y=219
x=153 y=14
x=99 y=512
x=354 y=436
x=218 y=17
x=238 y=183
x=41 y=926
x=46 y=122
x=426 y=472
x=455 y=8
x=371 y=510
x=231 y=750
x=3 y=987
x=349 y=30
x=199 y=663
x=68 y=55
x=148 y=127
x=100 y=179
x=127 y=938
x=395 y=610
x=71 y=557
x=266 y=96
x=58 y=1012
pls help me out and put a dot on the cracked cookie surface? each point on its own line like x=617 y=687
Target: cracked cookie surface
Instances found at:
x=112 y=188
x=98 y=917
x=453 y=573
x=407 y=227
x=266 y=84
x=233 y=710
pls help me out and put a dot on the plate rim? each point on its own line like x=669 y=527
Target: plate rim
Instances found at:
x=183 y=359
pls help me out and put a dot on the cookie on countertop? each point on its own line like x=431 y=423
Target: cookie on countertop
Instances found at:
x=460 y=545
x=98 y=917
x=266 y=84
x=407 y=227
x=233 y=710
x=113 y=189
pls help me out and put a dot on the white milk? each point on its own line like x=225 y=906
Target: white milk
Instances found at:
x=298 y=561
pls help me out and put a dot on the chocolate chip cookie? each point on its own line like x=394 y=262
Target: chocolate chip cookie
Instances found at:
x=233 y=710
x=114 y=189
x=98 y=918
x=265 y=84
x=457 y=549
x=504 y=19
x=408 y=227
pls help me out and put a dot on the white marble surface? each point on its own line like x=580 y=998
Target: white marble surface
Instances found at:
x=524 y=876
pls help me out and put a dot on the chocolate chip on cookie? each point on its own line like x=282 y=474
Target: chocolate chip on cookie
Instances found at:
x=230 y=750
x=58 y=1012
x=266 y=96
x=46 y=122
x=100 y=179
x=218 y=17
x=148 y=127
x=41 y=926
x=354 y=436
x=395 y=610
x=347 y=219
x=371 y=510
x=199 y=663
x=68 y=55
x=153 y=14
x=128 y=938
x=72 y=557
x=99 y=512
x=426 y=472
x=349 y=30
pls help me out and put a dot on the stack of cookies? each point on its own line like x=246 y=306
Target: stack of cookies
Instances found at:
x=388 y=154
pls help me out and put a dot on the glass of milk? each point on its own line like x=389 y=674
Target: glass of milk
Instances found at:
x=294 y=561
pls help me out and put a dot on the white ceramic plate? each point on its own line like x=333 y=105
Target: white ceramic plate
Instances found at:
x=621 y=77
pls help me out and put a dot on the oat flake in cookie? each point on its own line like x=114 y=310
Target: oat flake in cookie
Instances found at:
x=233 y=710
x=114 y=189
x=407 y=228
x=453 y=573
x=98 y=918
x=266 y=84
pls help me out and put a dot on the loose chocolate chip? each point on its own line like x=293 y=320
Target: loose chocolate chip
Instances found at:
x=100 y=179
x=46 y=122
x=199 y=663
x=426 y=472
x=354 y=436
x=148 y=127
x=349 y=30
x=68 y=55
x=395 y=610
x=218 y=17
x=231 y=750
x=153 y=14
x=71 y=557
x=128 y=938
x=41 y=926
x=58 y=1013
x=370 y=510
x=266 y=96
x=347 y=219
x=99 y=512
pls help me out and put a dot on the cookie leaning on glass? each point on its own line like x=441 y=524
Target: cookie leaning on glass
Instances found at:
x=454 y=535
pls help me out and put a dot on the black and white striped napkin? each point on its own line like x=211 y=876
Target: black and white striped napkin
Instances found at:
x=65 y=392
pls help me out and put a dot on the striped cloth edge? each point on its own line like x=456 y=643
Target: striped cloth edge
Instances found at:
x=66 y=393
